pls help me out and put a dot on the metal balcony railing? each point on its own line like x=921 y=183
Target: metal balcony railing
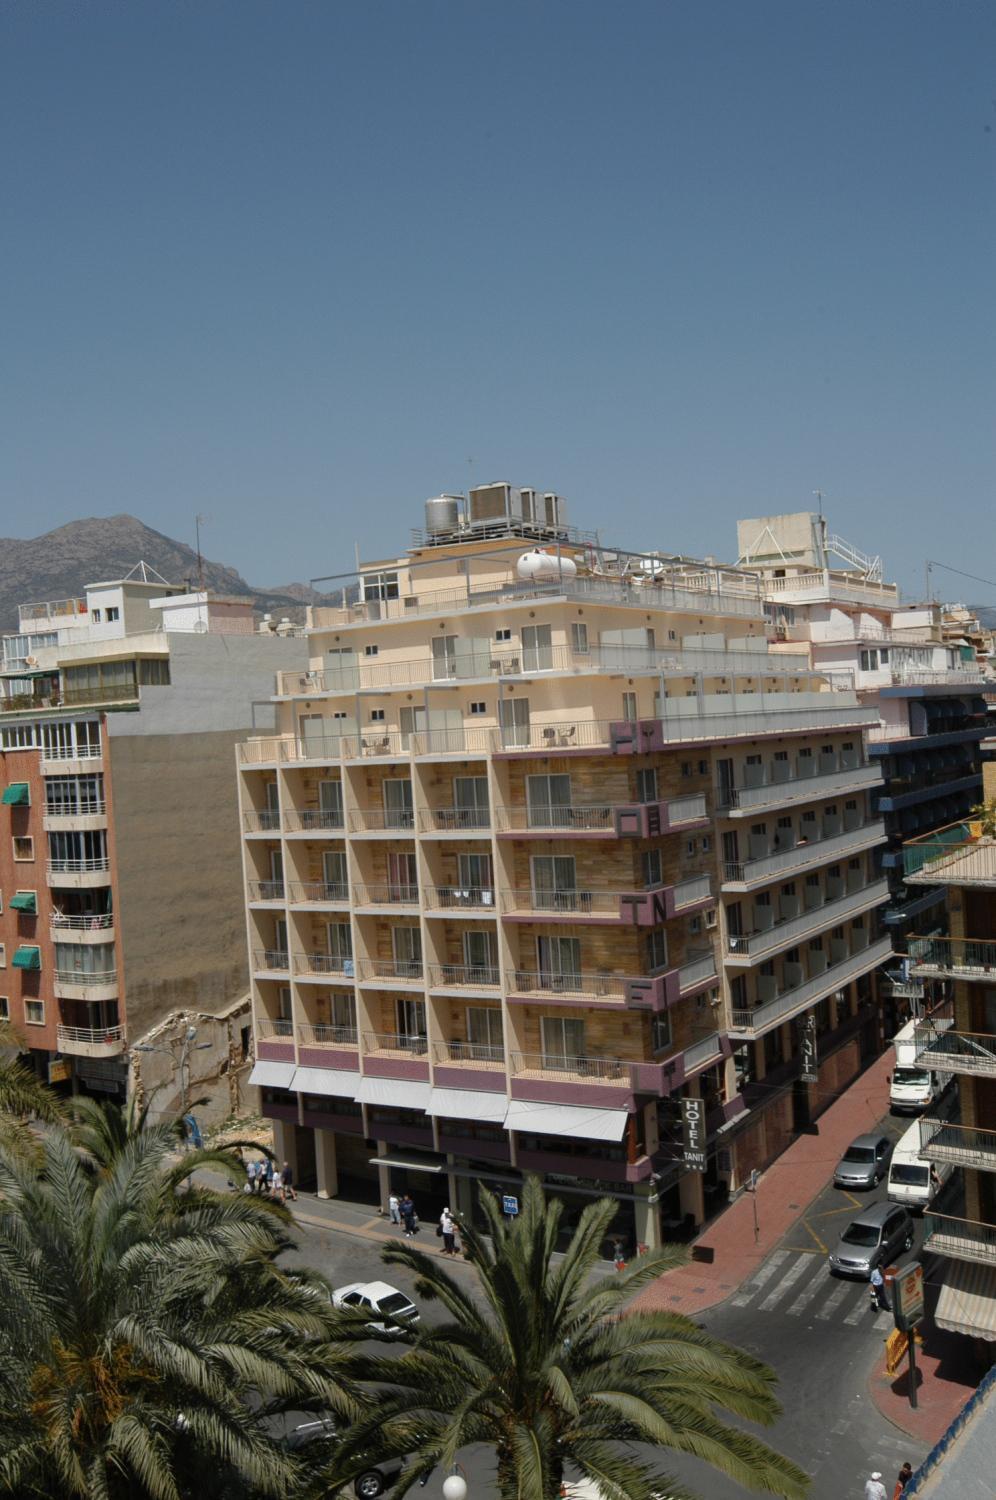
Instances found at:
x=956 y=1051
x=961 y=1239
x=379 y=819
x=84 y=807
x=321 y=1035
x=265 y=820
x=71 y=752
x=94 y=922
x=806 y=849
x=459 y=897
x=314 y=820
x=574 y=817
x=702 y=1051
x=582 y=902
x=270 y=1029
x=324 y=892
x=575 y=1069
x=580 y=986
x=950 y=856
x=848 y=772
x=453 y=819
x=389 y=968
x=697 y=968
x=826 y=913
x=464 y=976
x=277 y=959
x=400 y=1043
x=78 y=866
x=386 y=895
x=490 y=1054
x=965 y=958
x=88 y=1036
x=961 y=1145
x=86 y=980
x=797 y=997
x=324 y=963
x=266 y=890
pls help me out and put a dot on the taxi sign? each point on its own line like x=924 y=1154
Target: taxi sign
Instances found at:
x=907 y=1296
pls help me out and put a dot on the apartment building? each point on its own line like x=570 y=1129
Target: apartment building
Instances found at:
x=120 y=890
x=961 y=968
x=926 y=690
x=553 y=867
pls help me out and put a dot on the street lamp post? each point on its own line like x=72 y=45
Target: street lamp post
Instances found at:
x=181 y=1064
x=455 y=1486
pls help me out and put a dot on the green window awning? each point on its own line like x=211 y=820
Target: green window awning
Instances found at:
x=25 y=901
x=27 y=958
x=18 y=794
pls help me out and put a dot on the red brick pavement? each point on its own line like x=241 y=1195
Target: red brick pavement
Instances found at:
x=785 y=1191
x=947 y=1375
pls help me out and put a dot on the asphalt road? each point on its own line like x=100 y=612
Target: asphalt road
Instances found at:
x=816 y=1331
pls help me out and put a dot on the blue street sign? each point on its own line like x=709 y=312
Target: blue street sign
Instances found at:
x=510 y=1205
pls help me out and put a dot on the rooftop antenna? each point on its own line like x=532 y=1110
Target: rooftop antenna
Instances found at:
x=198 y=522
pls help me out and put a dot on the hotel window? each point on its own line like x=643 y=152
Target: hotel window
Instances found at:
x=376 y=716
x=34 y=1012
x=4 y=1008
x=24 y=848
x=629 y=708
x=657 y=949
x=579 y=638
x=478 y=708
x=371 y=650
x=3 y=955
x=113 y=614
x=660 y=1031
x=503 y=635
x=646 y=785
x=379 y=585
x=652 y=870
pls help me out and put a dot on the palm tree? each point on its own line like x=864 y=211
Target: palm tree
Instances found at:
x=545 y=1368
x=24 y=1099
x=148 y=1333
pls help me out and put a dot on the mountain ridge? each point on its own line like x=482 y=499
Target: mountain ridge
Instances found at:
x=60 y=564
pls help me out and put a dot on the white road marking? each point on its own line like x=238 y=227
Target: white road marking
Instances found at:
x=804 y=1298
x=832 y=1303
x=791 y=1275
x=767 y=1270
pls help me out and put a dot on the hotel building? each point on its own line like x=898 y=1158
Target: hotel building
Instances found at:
x=552 y=866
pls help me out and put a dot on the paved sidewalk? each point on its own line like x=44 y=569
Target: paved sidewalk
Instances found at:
x=730 y=1254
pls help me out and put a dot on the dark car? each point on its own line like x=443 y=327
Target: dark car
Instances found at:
x=874 y=1238
x=372 y=1482
x=864 y=1163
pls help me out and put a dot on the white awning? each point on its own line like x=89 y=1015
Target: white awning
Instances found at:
x=566 y=1119
x=398 y=1091
x=966 y=1302
x=469 y=1104
x=272 y=1075
x=332 y=1081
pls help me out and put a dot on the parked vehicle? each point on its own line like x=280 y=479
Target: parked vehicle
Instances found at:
x=864 y=1163
x=878 y=1234
x=911 y=1182
x=912 y=1086
x=378 y=1297
x=371 y=1483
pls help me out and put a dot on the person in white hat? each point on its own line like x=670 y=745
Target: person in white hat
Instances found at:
x=874 y=1488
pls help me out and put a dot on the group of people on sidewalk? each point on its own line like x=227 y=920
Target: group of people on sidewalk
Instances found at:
x=876 y=1490
x=263 y=1179
x=402 y=1212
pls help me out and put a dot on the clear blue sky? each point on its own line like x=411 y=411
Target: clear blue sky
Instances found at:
x=292 y=265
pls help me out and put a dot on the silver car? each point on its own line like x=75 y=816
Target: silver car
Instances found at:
x=864 y=1163
x=874 y=1238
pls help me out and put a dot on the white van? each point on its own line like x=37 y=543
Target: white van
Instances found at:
x=912 y=1087
x=909 y=1180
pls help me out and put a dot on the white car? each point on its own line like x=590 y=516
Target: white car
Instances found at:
x=378 y=1297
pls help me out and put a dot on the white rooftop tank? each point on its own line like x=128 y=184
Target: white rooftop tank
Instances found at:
x=538 y=566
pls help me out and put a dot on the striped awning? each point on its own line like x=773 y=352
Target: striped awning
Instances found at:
x=966 y=1302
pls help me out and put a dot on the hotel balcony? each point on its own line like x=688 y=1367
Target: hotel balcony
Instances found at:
x=604 y=820
x=389 y=972
x=463 y=978
x=274 y=1039
x=972 y=959
x=961 y=1145
x=797 y=921
x=394 y=1055
x=317 y=893
x=86 y=817
x=320 y=1046
x=557 y=1079
x=452 y=900
x=822 y=848
x=395 y=822
x=950 y=857
x=469 y=1065
x=265 y=820
x=321 y=965
x=385 y=898
x=753 y=1022
x=631 y=908
x=459 y=821
x=70 y=759
x=959 y=1239
x=831 y=776
x=71 y=984
x=972 y=1054
x=86 y=1041
x=266 y=892
x=79 y=874
x=81 y=929
x=528 y=986
x=314 y=820
x=271 y=961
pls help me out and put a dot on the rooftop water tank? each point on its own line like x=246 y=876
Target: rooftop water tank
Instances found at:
x=442 y=514
x=545 y=567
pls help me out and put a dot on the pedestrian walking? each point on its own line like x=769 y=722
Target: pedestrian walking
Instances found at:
x=877 y=1284
x=266 y=1186
x=902 y=1480
x=409 y=1217
x=447 y=1228
x=874 y=1488
x=394 y=1208
x=287 y=1183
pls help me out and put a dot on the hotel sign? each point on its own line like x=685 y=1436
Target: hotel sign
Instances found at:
x=694 y=1134
x=810 y=1069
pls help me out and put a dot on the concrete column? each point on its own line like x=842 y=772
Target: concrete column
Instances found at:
x=285 y=1145
x=852 y=998
x=647 y=1212
x=384 y=1173
x=691 y=1195
x=760 y=1062
x=326 y=1166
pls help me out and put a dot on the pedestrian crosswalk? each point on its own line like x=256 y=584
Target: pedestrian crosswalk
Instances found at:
x=797 y=1285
